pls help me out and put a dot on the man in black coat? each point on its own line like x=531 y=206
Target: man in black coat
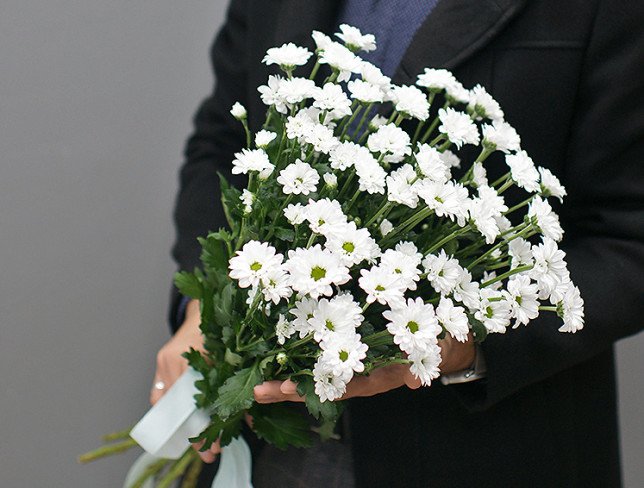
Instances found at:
x=569 y=76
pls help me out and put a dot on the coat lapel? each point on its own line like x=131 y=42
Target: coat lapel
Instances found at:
x=453 y=32
x=298 y=18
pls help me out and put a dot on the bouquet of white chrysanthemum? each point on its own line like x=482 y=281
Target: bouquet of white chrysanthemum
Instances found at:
x=353 y=245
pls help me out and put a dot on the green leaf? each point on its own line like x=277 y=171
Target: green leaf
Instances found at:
x=188 y=284
x=232 y=358
x=281 y=425
x=478 y=329
x=327 y=411
x=284 y=234
x=236 y=394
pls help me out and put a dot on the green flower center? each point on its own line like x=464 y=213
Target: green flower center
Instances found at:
x=348 y=246
x=380 y=288
x=329 y=325
x=412 y=326
x=344 y=355
x=256 y=266
x=318 y=273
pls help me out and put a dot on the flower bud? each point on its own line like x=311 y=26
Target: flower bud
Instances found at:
x=238 y=111
x=281 y=358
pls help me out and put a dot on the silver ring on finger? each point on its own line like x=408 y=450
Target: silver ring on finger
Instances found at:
x=159 y=385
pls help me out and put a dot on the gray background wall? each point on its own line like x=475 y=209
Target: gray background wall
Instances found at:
x=95 y=102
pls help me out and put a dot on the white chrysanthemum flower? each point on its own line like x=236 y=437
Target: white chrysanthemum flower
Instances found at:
x=300 y=125
x=322 y=41
x=328 y=386
x=501 y=136
x=424 y=365
x=296 y=90
x=356 y=40
x=547 y=220
x=494 y=311
x=447 y=199
x=365 y=92
x=253 y=262
x=479 y=175
x=263 y=138
x=410 y=101
x=247 y=198
x=400 y=186
x=453 y=319
x=344 y=354
x=321 y=138
x=324 y=216
x=303 y=311
x=331 y=97
x=287 y=56
x=413 y=325
x=275 y=285
x=312 y=271
x=410 y=249
x=341 y=59
x=466 y=291
x=335 y=317
x=520 y=251
x=523 y=297
x=550 y=185
x=443 y=272
x=252 y=160
x=483 y=104
x=391 y=141
x=377 y=122
x=345 y=154
x=485 y=209
x=298 y=178
x=372 y=74
x=572 y=309
x=549 y=269
x=238 y=111
x=295 y=213
x=283 y=329
x=451 y=159
x=458 y=127
x=271 y=95
x=385 y=227
x=353 y=245
x=432 y=164
x=330 y=180
x=403 y=265
x=436 y=79
x=382 y=285
x=371 y=176
x=457 y=93
x=524 y=173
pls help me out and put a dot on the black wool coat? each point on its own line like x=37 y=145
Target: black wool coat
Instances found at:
x=569 y=76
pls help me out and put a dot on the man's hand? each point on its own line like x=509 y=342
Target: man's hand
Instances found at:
x=171 y=365
x=456 y=356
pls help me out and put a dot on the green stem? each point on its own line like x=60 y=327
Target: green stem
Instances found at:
x=177 y=469
x=548 y=309
x=117 y=436
x=107 y=451
x=501 y=179
x=489 y=252
x=365 y=114
x=383 y=208
x=381 y=338
x=347 y=182
x=519 y=269
x=314 y=71
x=247 y=130
x=348 y=122
x=311 y=240
x=519 y=205
x=148 y=472
x=192 y=474
x=448 y=238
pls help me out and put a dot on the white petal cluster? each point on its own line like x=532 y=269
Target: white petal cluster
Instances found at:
x=458 y=127
x=524 y=173
x=390 y=141
x=253 y=262
x=314 y=270
x=400 y=186
x=263 y=138
x=436 y=79
x=547 y=220
x=432 y=164
x=365 y=92
x=501 y=136
x=298 y=178
x=287 y=56
x=483 y=104
x=356 y=40
x=442 y=271
x=332 y=98
x=341 y=59
x=447 y=199
x=413 y=325
x=410 y=101
x=353 y=245
x=238 y=111
x=550 y=185
x=252 y=160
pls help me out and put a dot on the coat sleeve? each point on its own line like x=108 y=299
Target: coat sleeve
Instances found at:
x=603 y=216
x=210 y=148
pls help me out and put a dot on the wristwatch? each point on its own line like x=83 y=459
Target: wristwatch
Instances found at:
x=473 y=373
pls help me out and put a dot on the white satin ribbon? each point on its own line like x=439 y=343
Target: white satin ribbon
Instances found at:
x=164 y=431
